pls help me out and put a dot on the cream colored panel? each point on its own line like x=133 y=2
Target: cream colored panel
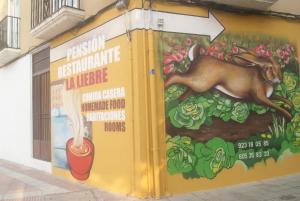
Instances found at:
x=287 y=6
x=3 y=9
x=93 y=6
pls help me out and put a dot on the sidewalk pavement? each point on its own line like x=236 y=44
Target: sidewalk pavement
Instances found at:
x=20 y=183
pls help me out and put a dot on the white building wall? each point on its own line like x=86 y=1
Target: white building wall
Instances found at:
x=16 y=114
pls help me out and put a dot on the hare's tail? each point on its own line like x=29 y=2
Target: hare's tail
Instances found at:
x=194 y=52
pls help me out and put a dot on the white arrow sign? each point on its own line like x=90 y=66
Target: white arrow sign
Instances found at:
x=173 y=22
x=146 y=19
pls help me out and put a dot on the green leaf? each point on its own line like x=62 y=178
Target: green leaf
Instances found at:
x=240 y=112
x=180 y=155
x=217 y=113
x=170 y=105
x=290 y=80
x=259 y=109
x=289 y=132
x=202 y=151
x=230 y=148
x=189 y=114
x=186 y=168
x=215 y=143
x=174 y=121
x=171 y=167
x=213 y=156
x=226 y=117
x=183 y=120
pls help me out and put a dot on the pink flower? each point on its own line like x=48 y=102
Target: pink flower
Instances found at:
x=178 y=57
x=268 y=53
x=168 y=69
x=260 y=47
x=221 y=56
x=287 y=60
x=168 y=59
x=235 y=50
x=184 y=53
x=262 y=51
x=209 y=53
x=285 y=53
x=188 y=42
x=212 y=51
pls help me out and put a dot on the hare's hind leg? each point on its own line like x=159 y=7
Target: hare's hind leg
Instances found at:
x=197 y=84
x=175 y=79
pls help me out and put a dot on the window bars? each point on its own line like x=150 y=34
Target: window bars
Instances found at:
x=10 y=32
x=43 y=9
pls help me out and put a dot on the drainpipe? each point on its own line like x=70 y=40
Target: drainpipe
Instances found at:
x=154 y=116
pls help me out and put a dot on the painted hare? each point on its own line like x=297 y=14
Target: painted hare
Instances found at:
x=248 y=77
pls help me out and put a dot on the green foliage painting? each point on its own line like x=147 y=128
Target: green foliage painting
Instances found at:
x=211 y=130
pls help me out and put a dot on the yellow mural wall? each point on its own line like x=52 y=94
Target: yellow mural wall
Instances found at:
x=117 y=89
x=121 y=162
x=243 y=25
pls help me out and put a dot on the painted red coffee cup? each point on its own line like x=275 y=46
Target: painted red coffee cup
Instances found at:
x=81 y=159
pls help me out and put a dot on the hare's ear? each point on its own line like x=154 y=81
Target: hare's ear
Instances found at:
x=194 y=52
x=244 y=50
x=243 y=61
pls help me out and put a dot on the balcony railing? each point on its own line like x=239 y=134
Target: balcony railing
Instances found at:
x=43 y=9
x=10 y=33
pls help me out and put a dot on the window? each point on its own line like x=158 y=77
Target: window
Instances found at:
x=14 y=8
x=41 y=105
x=13 y=23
